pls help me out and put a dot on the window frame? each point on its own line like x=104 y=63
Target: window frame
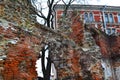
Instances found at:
x=111 y=18
x=118 y=17
x=91 y=18
x=106 y=18
x=111 y=30
x=88 y=18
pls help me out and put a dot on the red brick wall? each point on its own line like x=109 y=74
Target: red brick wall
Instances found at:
x=97 y=18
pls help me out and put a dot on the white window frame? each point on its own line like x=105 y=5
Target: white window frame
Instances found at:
x=108 y=16
x=88 y=13
x=111 y=28
x=86 y=18
x=112 y=18
x=118 y=17
x=92 y=17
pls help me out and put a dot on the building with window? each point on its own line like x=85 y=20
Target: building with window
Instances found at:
x=106 y=18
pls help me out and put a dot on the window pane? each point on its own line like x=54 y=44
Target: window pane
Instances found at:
x=91 y=17
x=108 y=31
x=106 y=18
x=86 y=17
x=113 y=31
x=111 y=18
x=119 y=18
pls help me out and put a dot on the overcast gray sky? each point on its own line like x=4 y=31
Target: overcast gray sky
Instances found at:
x=99 y=2
x=105 y=2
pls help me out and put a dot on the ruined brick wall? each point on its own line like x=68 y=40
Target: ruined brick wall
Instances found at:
x=110 y=49
x=22 y=48
x=73 y=49
x=18 y=47
x=109 y=44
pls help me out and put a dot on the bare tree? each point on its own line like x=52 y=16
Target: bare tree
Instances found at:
x=43 y=64
x=48 y=20
x=67 y=6
x=46 y=71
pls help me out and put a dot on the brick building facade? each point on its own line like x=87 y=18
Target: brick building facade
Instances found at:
x=106 y=18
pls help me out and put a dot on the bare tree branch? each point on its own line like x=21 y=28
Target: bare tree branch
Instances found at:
x=48 y=20
x=67 y=6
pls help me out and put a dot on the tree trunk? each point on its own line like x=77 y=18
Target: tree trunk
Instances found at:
x=47 y=71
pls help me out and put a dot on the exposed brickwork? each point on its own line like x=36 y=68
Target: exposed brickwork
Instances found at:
x=20 y=62
x=98 y=18
x=73 y=49
x=109 y=45
x=110 y=49
x=77 y=29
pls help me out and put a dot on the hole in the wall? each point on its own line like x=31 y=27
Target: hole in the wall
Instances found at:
x=39 y=66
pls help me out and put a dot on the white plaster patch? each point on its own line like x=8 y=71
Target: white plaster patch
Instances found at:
x=13 y=41
x=5 y=24
x=107 y=69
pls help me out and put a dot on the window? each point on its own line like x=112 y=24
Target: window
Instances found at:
x=106 y=18
x=91 y=17
x=111 y=18
x=119 y=18
x=88 y=17
x=111 y=31
x=108 y=31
